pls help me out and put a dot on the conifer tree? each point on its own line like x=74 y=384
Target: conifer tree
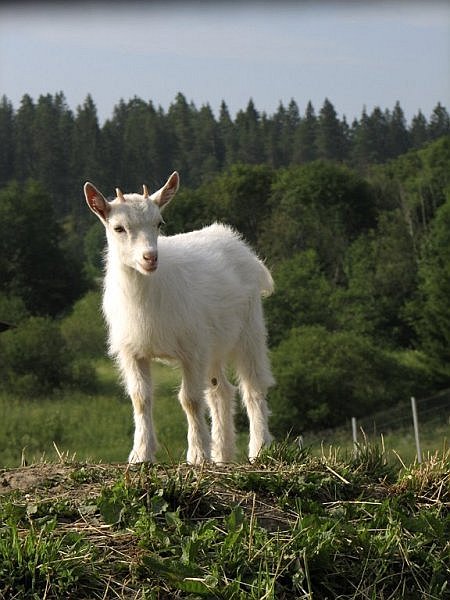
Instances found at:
x=419 y=130
x=439 y=122
x=6 y=141
x=137 y=153
x=227 y=136
x=52 y=139
x=361 y=152
x=398 y=139
x=305 y=139
x=180 y=119
x=207 y=146
x=111 y=141
x=249 y=136
x=24 y=149
x=433 y=323
x=380 y=134
x=33 y=265
x=331 y=144
x=276 y=144
x=86 y=149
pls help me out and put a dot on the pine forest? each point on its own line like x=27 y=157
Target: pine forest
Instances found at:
x=353 y=220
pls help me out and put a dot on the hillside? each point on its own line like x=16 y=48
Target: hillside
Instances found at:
x=291 y=525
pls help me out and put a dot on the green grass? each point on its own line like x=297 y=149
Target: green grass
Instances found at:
x=92 y=427
x=399 y=444
x=292 y=525
x=99 y=427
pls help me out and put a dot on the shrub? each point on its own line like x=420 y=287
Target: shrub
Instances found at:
x=325 y=377
x=84 y=329
x=36 y=360
x=12 y=309
x=302 y=296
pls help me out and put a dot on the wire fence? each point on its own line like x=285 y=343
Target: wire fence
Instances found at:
x=436 y=407
x=407 y=415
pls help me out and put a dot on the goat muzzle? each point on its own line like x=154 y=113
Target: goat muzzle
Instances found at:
x=150 y=261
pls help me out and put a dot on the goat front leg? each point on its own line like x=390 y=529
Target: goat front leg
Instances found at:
x=136 y=373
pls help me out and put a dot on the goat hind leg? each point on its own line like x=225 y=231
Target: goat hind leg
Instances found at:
x=255 y=378
x=220 y=398
x=192 y=401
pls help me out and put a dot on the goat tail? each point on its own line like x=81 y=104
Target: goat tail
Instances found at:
x=266 y=283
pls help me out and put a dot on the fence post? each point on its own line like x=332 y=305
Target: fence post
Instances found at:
x=354 y=436
x=416 y=429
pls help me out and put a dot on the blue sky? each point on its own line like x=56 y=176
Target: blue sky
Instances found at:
x=354 y=53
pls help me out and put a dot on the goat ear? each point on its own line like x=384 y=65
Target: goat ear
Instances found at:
x=96 y=201
x=164 y=195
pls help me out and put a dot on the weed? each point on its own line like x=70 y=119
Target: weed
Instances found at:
x=292 y=525
x=37 y=562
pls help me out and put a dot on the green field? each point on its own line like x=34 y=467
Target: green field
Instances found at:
x=292 y=525
x=99 y=427
x=96 y=428
x=312 y=524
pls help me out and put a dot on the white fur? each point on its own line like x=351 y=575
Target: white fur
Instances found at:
x=199 y=303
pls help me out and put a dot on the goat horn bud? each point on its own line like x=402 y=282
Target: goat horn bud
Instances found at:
x=145 y=191
x=120 y=195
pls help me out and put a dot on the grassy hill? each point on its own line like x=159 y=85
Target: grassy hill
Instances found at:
x=93 y=427
x=292 y=525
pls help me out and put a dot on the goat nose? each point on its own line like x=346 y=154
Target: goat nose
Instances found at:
x=150 y=261
x=150 y=256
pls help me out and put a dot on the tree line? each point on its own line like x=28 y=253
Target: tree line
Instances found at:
x=359 y=253
x=47 y=141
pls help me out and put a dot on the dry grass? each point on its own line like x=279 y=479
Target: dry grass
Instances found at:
x=291 y=525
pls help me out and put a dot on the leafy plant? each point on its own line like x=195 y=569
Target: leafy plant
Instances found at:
x=34 y=358
x=38 y=562
x=323 y=377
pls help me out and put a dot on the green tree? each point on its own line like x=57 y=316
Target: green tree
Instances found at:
x=35 y=359
x=324 y=378
x=83 y=329
x=137 y=146
x=432 y=319
x=239 y=196
x=318 y=205
x=33 y=266
x=302 y=296
x=381 y=271
x=52 y=128
x=227 y=137
x=439 y=122
x=207 y=150
x=111 y=142
x=86 y=150
x=94 y=242
x=398 y=136
x=12 y=309
x=7 y=141
x=415 y=183
x=279 y=134
x=331 y=142
x=180 y=120
x=24 y=149
x=250 y=147
x=362 y=143
x=370 y=138
x=418 y=130
x=305 y=138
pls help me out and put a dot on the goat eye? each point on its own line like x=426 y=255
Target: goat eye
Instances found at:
x=119 y=229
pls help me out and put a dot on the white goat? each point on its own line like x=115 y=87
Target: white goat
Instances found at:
x=193 y=297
